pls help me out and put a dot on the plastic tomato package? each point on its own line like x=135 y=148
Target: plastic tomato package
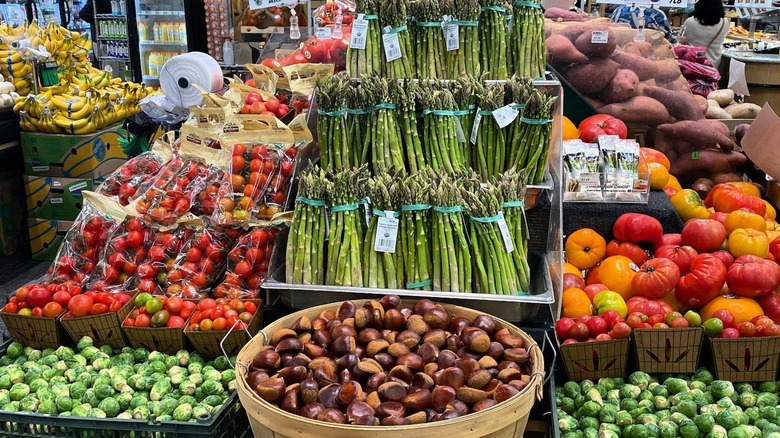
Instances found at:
x=247 y=264
x=152 y=272
x=136 y=174
x=83 y=245
x=258 y=161
x=199 y=264
x=126 y=249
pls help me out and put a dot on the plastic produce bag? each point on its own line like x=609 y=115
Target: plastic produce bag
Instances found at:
x=126 y=249
x=83 y=245
x=136 y=174
x=199 y=264
x=152 y=273
x=247 y=263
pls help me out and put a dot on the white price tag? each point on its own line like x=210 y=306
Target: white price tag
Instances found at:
x=475 y=128
x=386 y=234
x=56 y=200
x=295 y=30
x=451 y=33
x=599 y=37
x=78 y=187
x=392 y=45
x=323 y=33
x=459 y=131
x=505 y=115
x=589 y=179
x=359 y=32
x=502 y=226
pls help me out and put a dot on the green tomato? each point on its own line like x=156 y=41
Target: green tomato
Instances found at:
x=713 y=327
x=142 y=298
x=160 y=318
x=153 y=305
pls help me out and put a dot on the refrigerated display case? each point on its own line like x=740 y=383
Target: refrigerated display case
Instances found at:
x=113 y=46
x=64 y=12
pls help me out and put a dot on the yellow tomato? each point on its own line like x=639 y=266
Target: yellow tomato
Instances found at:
x=743 y=241
x=673 y=183
x=689 y=206
x=659 y=175
x=743 y=309
x=570 y=131
x=771 y=213
x=616 y=273
x=576 y=303
x=746 y=187
x=744 y=219
x=568 y=268
x=585 y=248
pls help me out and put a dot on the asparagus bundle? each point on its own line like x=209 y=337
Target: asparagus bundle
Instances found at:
x=489 y=152
x=428 y=39
x=451 y=252
x=387 y=152
x=331 y=125
x=518 y=91
x=512 y=185
x=383 y=269
x=529 y=53
x=531 y=139
x=493 y=39
x=362 y=61
x=415 y=227
x=358 y=135
x=495 y=272
x=344 y=251
x=463 y=90
x=392 y=15
x=443 y=152
x=465 y=60
x=510 y=24
x=306 y=241
x=407 y=118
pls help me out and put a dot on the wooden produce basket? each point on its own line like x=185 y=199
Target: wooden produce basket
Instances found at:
x=105 y=329
x=163 y=339
x=505 y=420
x=35 y=331
x=672 y=350
x=746 y=359
x=594 y=360
x=207 y=344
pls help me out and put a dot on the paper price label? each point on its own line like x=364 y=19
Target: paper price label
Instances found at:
x=359 y=32
x=337 y=31
x=56 y=200
x=392 y=46
x=589 y=179
x=78 y=187
x=504 y=228
x=599 y=37
x=451 y=36
x=505 y=115
x=323 y=33
x=386 y=234
x=475 y=128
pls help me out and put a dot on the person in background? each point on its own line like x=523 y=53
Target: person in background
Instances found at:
x=653 y=19
x=707 y=27
x=87 y=13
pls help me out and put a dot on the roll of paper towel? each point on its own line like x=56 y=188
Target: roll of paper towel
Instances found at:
x=184 y=77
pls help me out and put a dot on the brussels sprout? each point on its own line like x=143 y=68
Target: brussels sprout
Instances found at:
x=197 y=368
x=15 y=350
x=4 y=398
x=770 y=413
x=639 y=411
x=214 y=400
x=688 y=429
x=687 y=408
x=695 y=384
x=213 y=374
x=721 y=389
x=124 y=400
x=16 y=375
x=96 y=413
x=125 y=416
x=163 y=418
x=84 y=342
x=176 y=379
x=141 y=413
x=640 y=379
x=77 y=390
x=110 y=406
x=79 y=411
x=675 y=385
x=201 y=411
x=37 y=384
x=744 y=431
x=141 y=354
x=11 y=407
x=32 y=354
x=705 y=422
x=728 y=419
x=647 y=404
x=766 y=399
x=592 y=394
x=743 y=387
x=47 y=407
x=29 y=403
x=157 y=366
x=44 y=394
x=147 y=383
x=117 y=382
x=101 y=363
x=5 y=381
x=170 y=361
x=107 y=350
x=567 y=423
x=18 y=391
x=230 y=375
x=64 y=352
x=90 y=353
x=165 y=407
x=630 y=391
x=678 y=418
x=660 y=402
x=159 y=389
x=183 y=356
x=220 y=363
x=725 y=403
x=699 y=397
x=64 y=403
x=772 y=435
x=770 y=386
x=49 y=360
x=768 y=427
x=197 y=379
x=607 y=414
x=590 y=432
x=138 y=400
x=566 y=405
x=611 y=383
x=199 y=395
x=212 y=387
x=182 y=412
x=668 y=429
x=103 y=391
x=628 y=404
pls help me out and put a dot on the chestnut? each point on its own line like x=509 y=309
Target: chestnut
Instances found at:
x=508 y=340
x=323 y=362
x=412 y=360
x=346 y=310
x=367 y=335
x=453 y=343
x=394 y=421
x=289 y=345
x=390 y=409
x=309 y=391
x=365 y=420
x=460 y=407
x=505 y=392
x=376 y=346
x=304 y=337
x=293 y=374
x=375 y=381
x=417 y=401
x=282 y=334
x=479 y=378
x=312 y=410
x=486 y=323
x=291 y=400
x=325 y=376
x=385 y=360
x=452 y=377
x=447 y=359
x=423 y=381
x=470 y=396
x=391 y=391
x=475 y=339
x=431 y=368
x=302 y=324
x=345 y=376
x=348 y=393
x=449 y=414
x=416 y=324
x=359 y=409
x=508 y=364
x=368 y=366
x=332 y=415
x=256 y=377
x=457 y=324
x=441 y=396
x=518 y=384
x=389 y=335
x=436 y=337
x=327 y=395
x=328 y=315
x=322 y=338
x=347 y=361
x=417 y=418
x=373 y=400
x=390 y=302
x=398 y=349
x=342 y=330
x=343 y=345
x=363 y=318
x=313 y=350
x=319 y=323
x=394 y=319
x=266 y=359
x=517 y=355
x=271 y=390
x=484 y=404
x=428 y=352
x=408 y=338
x=508 y=374
x=437 y=318
x=467 y=365
x=422 y=306
x=402 y=373
x=465 y=352
x=487 y=362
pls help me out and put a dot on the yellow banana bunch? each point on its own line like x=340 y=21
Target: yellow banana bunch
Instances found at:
x=82 y=125
x=27 y=122
x=46 y=123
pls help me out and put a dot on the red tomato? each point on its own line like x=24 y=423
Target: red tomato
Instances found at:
x=11 y=308
x=251 y=307
x=80 y=305
x=98 y=309
x=702 y=284
x=751 y=276
x=218 y=311
x=134 y=239
x=147 y=286
x=194 y=254
x=656 y=278
x=129 y=322
x=601 y=124
x=253 y=97
x=206 y=303
x=220 y=323
x=38 y=297
x=200 y=279
x=37 y=312
x=175 y=305
x=682 y=256
x=635 y=227
x=61 y=297
x=175 y=322
x=114 y=306
x=143 y=320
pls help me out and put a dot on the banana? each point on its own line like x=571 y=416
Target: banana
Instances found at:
x=11 y=56
x=83 y=112
x=69 y=104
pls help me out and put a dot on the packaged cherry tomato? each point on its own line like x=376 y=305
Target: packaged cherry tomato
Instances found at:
x=170 y=196
x=199 y=264
x=257 y=145
x=205 y=133
x=152 y=273
x=247 y=263
x=136 y=174
x=83 y=245
x=127 y=248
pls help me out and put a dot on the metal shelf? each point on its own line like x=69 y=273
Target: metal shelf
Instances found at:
x=110 y=17
x=113 y=58
x=104 y=38
x=153 y=13
x=151 y=78
x=162 y=43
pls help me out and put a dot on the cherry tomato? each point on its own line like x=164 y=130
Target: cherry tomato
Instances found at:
x=98 y=309
x=11 y=308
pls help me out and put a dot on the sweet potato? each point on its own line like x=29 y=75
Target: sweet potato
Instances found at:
x=743 y=110
x=740 y=132
x=593 y=77
x=706 y=162
x=701 y=102
x=724 y=97
x=681 y=106
x=638 y=109
x=622 y=87
x=718 y=126
x=559 y=14
x=644 y=68
x=700 y=133
x=720 y=178
x=662 y=50
x=584 y=43
x=639 y=48
x=561 y=51
x=718 y=113
x=680 y=84
x=667 y=71
x=573 y=31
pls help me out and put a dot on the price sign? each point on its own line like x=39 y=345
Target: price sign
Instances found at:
x=386 y=233
x=505 y=115
x=359 y=32
x=392 y=45
x=451 y=34
x=323 y=33
x=599 y=37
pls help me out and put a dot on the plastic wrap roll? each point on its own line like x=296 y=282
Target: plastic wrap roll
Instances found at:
x=184 y=77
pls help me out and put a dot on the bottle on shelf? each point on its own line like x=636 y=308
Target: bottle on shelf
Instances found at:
x=173 y=32
x=227 y=52
x=142 y=31
x=182 y=32
x=157 y=29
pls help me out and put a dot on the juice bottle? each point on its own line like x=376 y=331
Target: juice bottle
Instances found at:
x=173 y=34
x=142 y=31
x=157 y=32
x=182 y=32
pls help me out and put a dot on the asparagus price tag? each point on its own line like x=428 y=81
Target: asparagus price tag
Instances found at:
x=323 y=33
x=502 y=226
x=386 y=234
x=599 y=37
x=451 y=33
x=475 y=128
x=359 y=32
x=392 y=45
x=505 y=115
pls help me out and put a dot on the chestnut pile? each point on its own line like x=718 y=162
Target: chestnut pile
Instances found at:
x=382 y=364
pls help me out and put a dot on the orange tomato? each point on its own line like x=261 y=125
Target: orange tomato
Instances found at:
x=570 y=131
x=771 y=213
x=653 y=156
x=585 y=248
x=746 y=187
x=659 y=175
x=575 y=303
x=743 y=309
x=743 y=241
x=568 y=268
x=744 y=218
x=616 y=273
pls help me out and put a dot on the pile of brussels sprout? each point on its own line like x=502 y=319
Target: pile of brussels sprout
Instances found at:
x=668 y=406
x=103 y=383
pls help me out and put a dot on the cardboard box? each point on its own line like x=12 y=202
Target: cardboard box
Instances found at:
x=104 y=329
x=92 y=156
x=50 y=197
x=594 y=360
x=672 y=350
x=46 y=236
x=35 y=331
x=746 y=359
